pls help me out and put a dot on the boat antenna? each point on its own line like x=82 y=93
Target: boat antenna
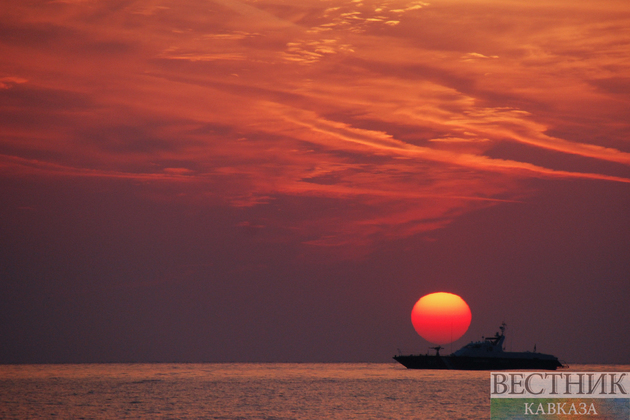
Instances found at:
x=437 y=350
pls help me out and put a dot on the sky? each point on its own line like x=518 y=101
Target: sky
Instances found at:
x=276 y=180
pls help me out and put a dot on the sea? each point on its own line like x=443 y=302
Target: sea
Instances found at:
x=243 y=391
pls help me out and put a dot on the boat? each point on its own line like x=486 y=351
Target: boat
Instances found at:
x=487 y=354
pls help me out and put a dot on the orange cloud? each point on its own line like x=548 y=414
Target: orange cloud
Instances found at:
x=376 y=107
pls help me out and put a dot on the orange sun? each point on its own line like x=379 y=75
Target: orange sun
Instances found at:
x=441 y=318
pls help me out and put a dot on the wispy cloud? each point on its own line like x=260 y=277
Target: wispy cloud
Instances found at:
x=8 y=81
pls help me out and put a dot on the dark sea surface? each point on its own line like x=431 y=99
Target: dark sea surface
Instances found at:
x=233 y=391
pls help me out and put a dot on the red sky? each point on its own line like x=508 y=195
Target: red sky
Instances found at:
x=279 y=180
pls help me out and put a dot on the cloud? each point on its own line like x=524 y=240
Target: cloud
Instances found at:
x=173 y=54
x=473 y=55
x=9 y=81
x=376 y=110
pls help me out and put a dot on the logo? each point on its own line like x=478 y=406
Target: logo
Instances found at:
x=554 y=395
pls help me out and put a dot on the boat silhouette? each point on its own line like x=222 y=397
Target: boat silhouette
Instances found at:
x=487 y=354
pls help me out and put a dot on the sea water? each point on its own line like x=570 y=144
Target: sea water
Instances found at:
x=271 y=391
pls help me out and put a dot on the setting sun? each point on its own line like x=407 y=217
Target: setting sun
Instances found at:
x=441 y=318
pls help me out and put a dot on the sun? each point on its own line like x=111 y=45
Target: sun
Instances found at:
x=441 y=318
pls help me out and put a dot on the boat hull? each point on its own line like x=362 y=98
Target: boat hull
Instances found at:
x=476 y=363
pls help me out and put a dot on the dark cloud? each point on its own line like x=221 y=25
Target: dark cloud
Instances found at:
x=553 y=159
x=27 y=99
x=129 y=139
x=615 y=85
x=42 y=34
